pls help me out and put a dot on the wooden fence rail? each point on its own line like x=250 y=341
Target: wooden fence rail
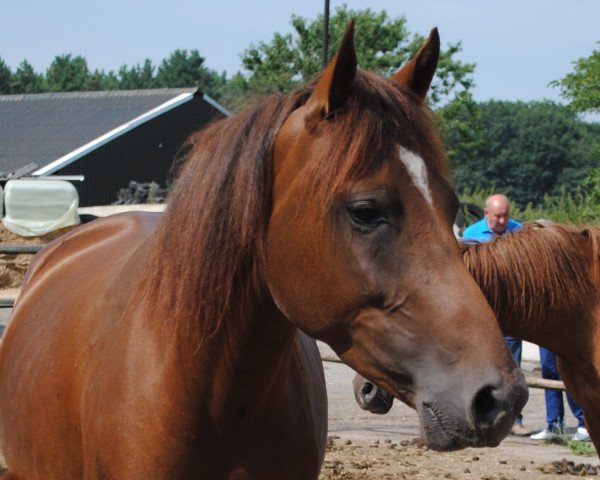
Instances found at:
x=20 y=248
x=531 y=382
x=6 y=303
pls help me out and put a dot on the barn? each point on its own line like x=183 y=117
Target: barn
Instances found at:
x=110 y=137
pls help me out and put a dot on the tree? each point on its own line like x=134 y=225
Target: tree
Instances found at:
x=234 y=93
x=5 y=78
x=136 y=77
x=528 y=150
x=100 y=80
x=26 y=80
x=185 y=70
x=461 y=128
x=382 y=45
x=67 y=74
x=582 y=87
x=592 y=186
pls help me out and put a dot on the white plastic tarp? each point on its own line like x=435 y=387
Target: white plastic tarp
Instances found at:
x=37 y=207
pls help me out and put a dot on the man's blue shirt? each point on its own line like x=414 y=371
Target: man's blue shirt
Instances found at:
x=481 y=232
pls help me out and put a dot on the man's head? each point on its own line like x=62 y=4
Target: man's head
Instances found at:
x=497 y=211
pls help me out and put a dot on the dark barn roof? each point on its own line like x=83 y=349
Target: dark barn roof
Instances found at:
x=42 y=134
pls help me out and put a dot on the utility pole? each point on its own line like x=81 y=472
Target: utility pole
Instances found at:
x=326 y=34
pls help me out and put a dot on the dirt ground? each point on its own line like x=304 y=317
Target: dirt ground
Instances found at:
x=363 y=446
x=410 y=459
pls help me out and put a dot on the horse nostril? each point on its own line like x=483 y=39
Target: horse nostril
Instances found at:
x=366 y=388
x=485 y=408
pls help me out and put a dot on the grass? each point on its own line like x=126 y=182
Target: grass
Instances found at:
x=582 y=448
x=585 y=449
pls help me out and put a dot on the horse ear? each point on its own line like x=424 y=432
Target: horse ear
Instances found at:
x=335 y=85
x=418 y=73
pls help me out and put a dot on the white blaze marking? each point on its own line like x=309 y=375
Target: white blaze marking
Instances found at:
x=418 y=172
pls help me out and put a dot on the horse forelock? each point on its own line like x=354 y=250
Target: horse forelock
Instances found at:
x=212 y=236
x=379 y=117
x=528 y=274
x=382 y=122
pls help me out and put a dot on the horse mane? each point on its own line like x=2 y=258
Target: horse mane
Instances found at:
x=593 y=233
x=211 y=239
x=529 y=273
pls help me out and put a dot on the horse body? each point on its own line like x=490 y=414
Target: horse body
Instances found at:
x=173 y=348
x=285 y=406
x=544 y=285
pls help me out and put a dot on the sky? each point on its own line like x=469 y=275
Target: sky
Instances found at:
x=518 y=46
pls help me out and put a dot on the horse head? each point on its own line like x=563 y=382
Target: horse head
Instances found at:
x=361 y=255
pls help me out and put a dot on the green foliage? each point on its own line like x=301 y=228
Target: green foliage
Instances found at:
x=235 y=93
x=184 y=70
x=5 y=78
x=582 y=86
x=273 y=65
x=67 y=74
x=136 y=77
x=583 y=448
x=382 y=45
x=591 y=184
x=525 y=150
x=575 y=208
x=26 y=80
x=453 y=79
x=462 y=129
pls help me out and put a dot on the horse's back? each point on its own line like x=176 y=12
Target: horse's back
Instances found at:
x=115 y=236
x=56 y=322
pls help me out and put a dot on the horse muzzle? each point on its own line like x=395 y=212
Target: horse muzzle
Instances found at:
x=445 y=427
x=370 y=397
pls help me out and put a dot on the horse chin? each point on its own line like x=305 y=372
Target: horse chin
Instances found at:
x=443 y=433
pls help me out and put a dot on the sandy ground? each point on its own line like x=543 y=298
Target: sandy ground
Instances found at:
x=366 y=446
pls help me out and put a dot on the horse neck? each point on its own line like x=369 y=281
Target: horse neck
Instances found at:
x=524 y=306
x=558 y=331
x=246 y=362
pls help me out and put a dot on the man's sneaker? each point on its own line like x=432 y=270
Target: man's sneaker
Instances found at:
x=581 y=435
x=519 y=430
x=545 y=434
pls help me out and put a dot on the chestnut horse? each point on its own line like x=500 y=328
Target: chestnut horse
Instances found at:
x=543 y=283
x=179 y=347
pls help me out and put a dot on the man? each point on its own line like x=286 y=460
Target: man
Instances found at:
x=495 y=223
x=555 y=410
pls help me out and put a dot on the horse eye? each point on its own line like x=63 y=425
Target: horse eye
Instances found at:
x=366 y=214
